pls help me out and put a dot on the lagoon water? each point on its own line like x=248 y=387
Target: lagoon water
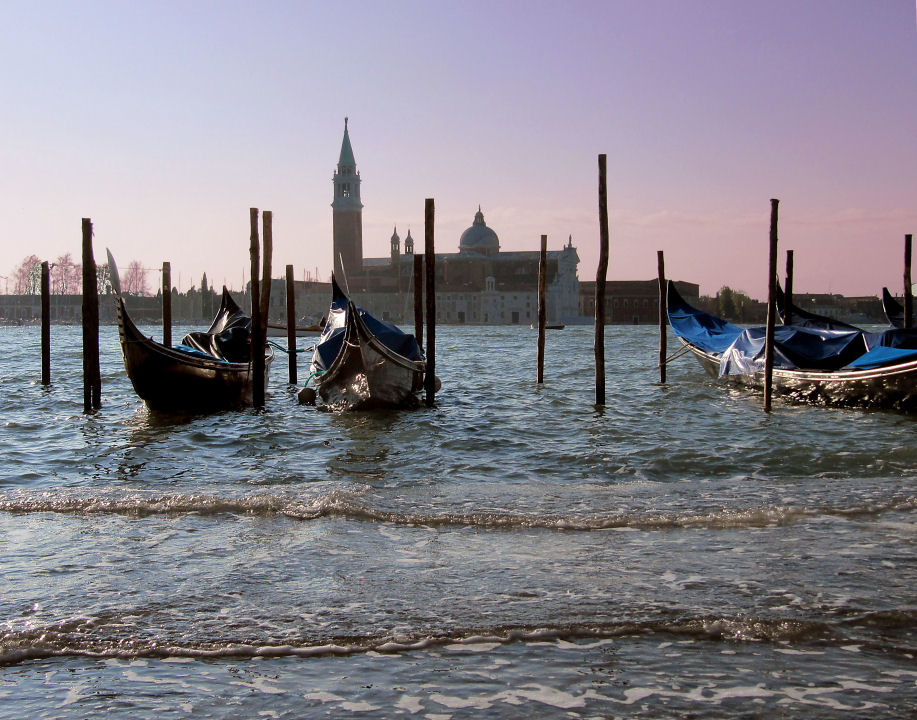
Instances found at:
x=511 y=553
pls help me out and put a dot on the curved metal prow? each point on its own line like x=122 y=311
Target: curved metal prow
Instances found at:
x=114 y=278
x=343 y=274
x=337 y=294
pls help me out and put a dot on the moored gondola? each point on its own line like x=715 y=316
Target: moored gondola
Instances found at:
x=894 y=311
x=361 y=362
x=280 y=330
x=812 y=365
x=207 y=371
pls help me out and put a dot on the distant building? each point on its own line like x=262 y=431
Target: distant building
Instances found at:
x=631 y=302
x=479 y=284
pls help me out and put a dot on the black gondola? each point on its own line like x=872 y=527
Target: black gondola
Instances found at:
x=804 y=318
x=361 y=362
x=812 y=365
x=894 y=311
x=207 y=371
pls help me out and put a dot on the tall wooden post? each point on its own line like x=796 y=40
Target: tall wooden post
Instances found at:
x=267 y=253
x=257 y=350
x=600 y=287
x=45 y=323
x=167 y=304
x=663 y=315
x=771 y=311
x=908 y=292
x=542 y=308
x=788 y=310
x=291 y=324
x=92 y=383
x=429 y=380
x=418 y=298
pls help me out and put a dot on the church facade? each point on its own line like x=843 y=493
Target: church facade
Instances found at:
x=479 y=284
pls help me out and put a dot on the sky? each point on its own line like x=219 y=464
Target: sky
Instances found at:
x=164 y=122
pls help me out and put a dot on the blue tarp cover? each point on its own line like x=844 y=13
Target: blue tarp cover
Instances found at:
x=906 y=339
x=706 y=331
x=197 y=353
x=794 y=347
x=882 y=356
x=332 y=337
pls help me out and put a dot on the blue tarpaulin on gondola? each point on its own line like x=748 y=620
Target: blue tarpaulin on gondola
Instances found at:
x=332 y=337
x=794 y=347
x=882 y=357
x=905 y=339
x=706 y=331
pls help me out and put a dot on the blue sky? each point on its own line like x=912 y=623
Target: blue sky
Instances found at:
x=164 y=122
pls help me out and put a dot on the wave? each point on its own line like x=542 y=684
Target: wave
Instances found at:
x=350 y=505
x=80 y=638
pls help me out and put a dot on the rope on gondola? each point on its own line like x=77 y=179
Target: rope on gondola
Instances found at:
x=283 y=349
x=683 y=351
x=312 y=375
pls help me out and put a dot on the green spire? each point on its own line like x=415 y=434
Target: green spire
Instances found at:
x=346 y=151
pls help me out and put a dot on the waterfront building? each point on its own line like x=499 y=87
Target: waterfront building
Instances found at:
x=631 y=302
x=478 y=284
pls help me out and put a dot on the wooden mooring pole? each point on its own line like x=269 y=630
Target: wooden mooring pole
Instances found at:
x=257 y=352
x=418 y=299
x=267 y=254
x=45 y=323
x=908 y=292
x=291 y=325
x=771 y=311
x=92 y=382
x=788 y=293
x=663 y=315
x=167 y=304
x=542 y=305
x=429 y=380
x=600 y=287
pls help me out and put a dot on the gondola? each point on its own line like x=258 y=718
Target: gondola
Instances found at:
x=361 y=362
x=279 y=330
x=894 y=311
x=207 y=371
x=804 y=318
x=811 y=365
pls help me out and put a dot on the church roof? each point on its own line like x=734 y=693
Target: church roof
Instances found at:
x=346 y=150
x=479 y=237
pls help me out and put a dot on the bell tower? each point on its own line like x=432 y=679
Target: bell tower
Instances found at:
x=396 y=248
x=347 y=216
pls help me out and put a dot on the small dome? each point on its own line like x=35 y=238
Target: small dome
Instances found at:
x=479 y=238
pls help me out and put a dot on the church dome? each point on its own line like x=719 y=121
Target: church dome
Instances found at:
x=479 y=238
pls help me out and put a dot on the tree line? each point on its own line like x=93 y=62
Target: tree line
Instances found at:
x=66 y=278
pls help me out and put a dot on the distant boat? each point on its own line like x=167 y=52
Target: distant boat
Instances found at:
x=811 y=365
x=207 y=371
x=894 y=310
x=534 y=326
x=361 y=362
x=278 y=330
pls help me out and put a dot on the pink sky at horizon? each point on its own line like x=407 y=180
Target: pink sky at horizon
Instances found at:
x=164 y=122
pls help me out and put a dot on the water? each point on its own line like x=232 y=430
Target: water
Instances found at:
x=513 y=552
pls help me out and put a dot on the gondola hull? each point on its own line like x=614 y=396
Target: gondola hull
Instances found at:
x=894 y=311
x=276 y=330
x=892 y=387
x=366 y=374
x=169 y=380
x=850 y=374
x=362 y=363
